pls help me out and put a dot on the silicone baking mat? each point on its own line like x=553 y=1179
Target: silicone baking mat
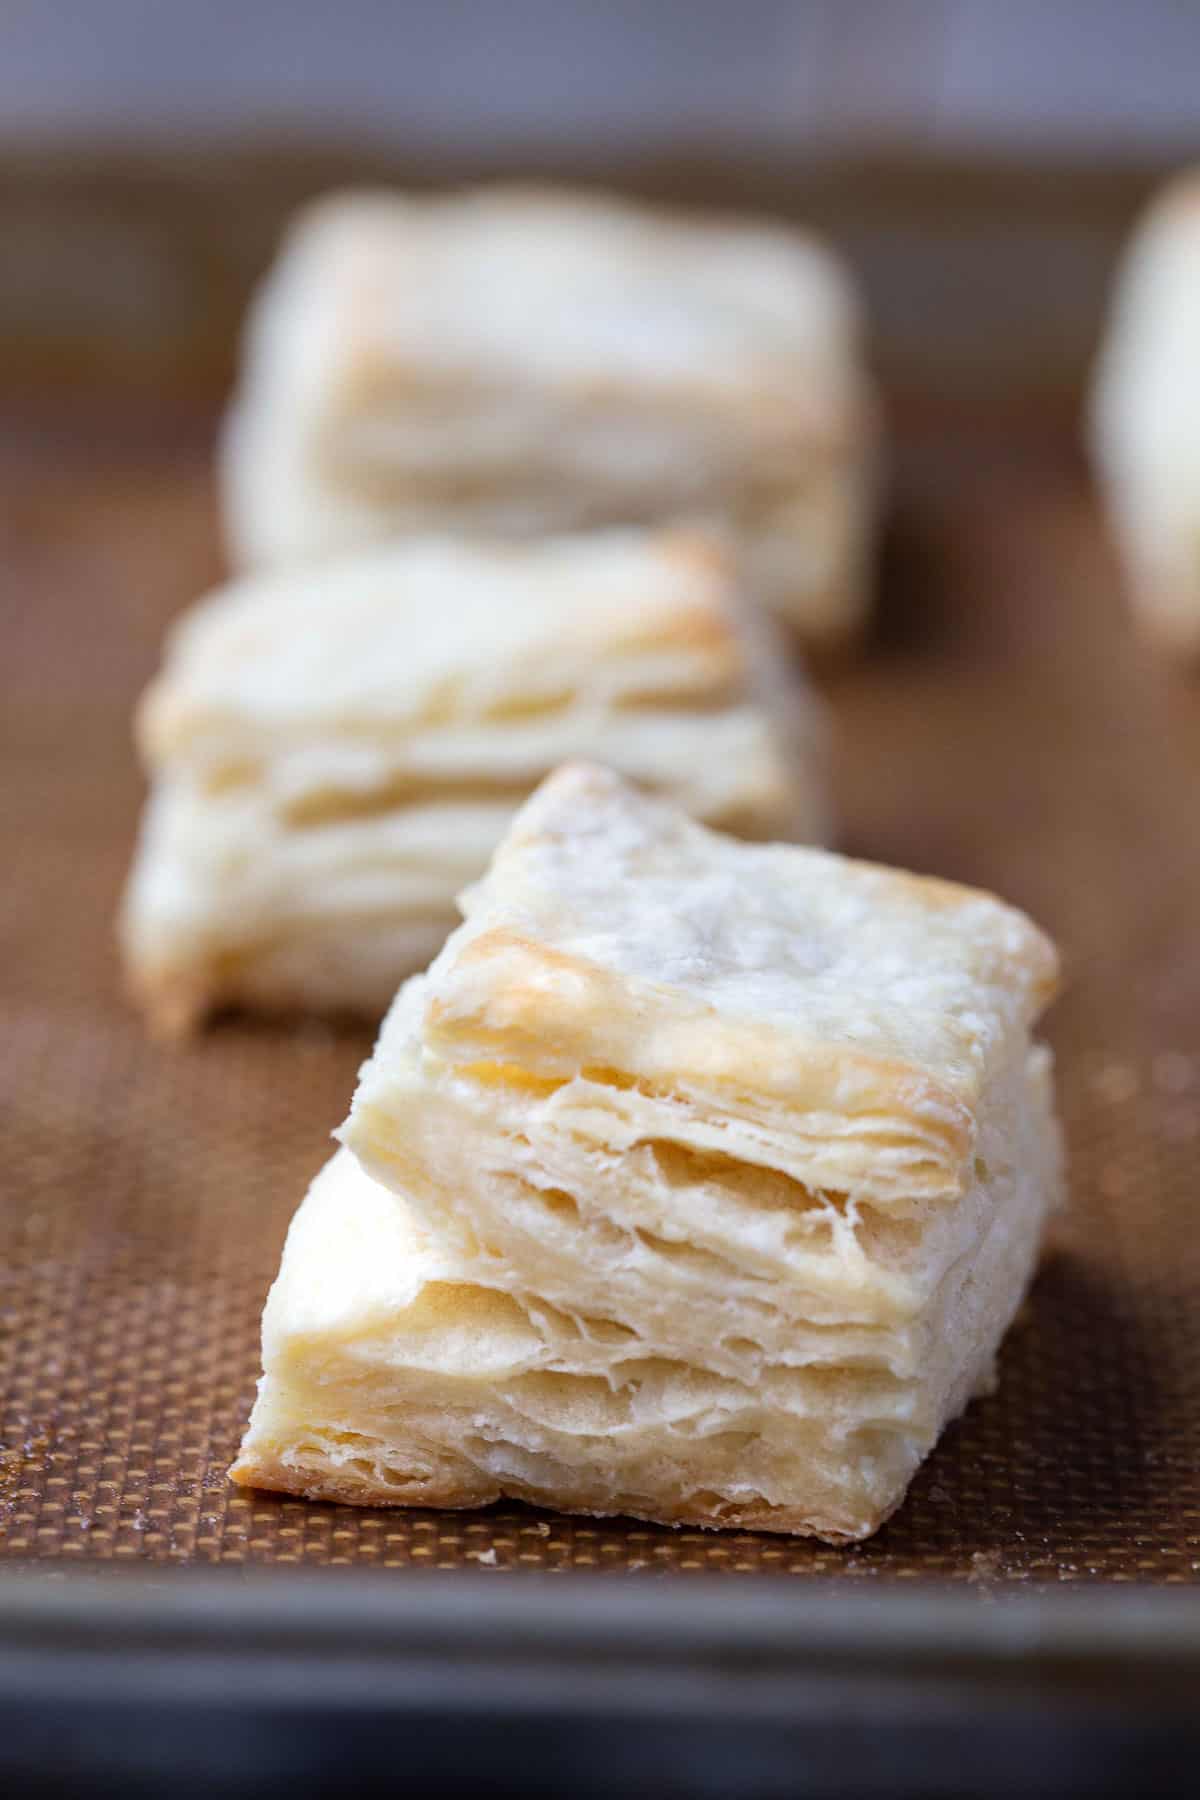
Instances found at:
x=1004 y=727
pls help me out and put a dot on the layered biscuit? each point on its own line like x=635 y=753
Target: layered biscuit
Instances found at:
x=518 y=361
x=335 y=752
x=696 y=1180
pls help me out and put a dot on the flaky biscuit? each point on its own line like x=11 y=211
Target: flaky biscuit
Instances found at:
x=698 y=1181
x=518 y=361
x=335 y=752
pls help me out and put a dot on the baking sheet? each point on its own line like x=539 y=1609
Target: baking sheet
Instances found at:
x=1004 y=727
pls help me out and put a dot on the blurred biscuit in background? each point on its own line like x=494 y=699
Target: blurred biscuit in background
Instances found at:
x=516 y=361
x=336 y=750
x=1145 y=419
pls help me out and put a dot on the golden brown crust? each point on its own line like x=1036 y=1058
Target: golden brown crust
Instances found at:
x=173 y=1005
x=257 y=1471
x=549 y=1010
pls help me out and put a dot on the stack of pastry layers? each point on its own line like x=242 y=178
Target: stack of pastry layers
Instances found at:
x=1146 y=417
x=518 y=361
x=335 y=751
x=695 y=1180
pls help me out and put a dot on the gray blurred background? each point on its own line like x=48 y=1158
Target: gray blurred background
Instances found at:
x=1088 y=76
x=978 y=162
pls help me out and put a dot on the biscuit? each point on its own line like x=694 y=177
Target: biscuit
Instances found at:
x=336 y=751
x=696 y=1181
x=515 y=361
x=1145 y=418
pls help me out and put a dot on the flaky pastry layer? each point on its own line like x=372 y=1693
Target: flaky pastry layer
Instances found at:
x=848 y=1017
x=399 y=1371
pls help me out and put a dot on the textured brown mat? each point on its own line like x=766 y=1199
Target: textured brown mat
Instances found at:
x=1006 y=729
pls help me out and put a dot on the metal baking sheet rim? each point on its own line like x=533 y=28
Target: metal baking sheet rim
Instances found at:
x=551 y=1642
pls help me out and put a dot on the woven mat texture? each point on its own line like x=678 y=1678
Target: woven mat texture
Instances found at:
x=1004 y=728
